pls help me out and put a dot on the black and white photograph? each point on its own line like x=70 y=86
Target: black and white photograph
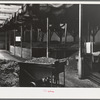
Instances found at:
x=49 y=49
x=50 y=45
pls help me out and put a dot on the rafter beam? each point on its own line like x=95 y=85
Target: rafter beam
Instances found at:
x=5 y=14
x=10 y=6
x=7 y=11
x=4 y=17
x=2 y=21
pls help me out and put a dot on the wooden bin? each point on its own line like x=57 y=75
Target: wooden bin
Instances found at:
x=31 y=72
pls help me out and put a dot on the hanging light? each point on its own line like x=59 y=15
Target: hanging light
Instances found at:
x=56 y=5
x=68 y=5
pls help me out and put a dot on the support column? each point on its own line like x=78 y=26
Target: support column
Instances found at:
x=31 y=31
x=88 y=32
x=24 y=36
x=21 y=39
x=65 y=32
x=38 y=34
x=9 y=41
x=5 y=40
x=14 y=41
x=47 y=50
x=80 y=43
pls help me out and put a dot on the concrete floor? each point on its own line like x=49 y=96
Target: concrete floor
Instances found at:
x=71 y=72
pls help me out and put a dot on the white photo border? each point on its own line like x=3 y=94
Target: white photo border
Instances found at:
x=50 y=93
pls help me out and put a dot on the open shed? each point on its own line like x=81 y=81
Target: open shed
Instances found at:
x=26 y=32
x=53 y=30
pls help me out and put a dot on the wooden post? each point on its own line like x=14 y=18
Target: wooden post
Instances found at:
x=31 y=40
x=88 y=32
x=14 y=41
x=80 y=44
x=21 y=39
x=65 y=32
x=47 y=53
x=9 y=41
x=5 y=40
x=38 y=38
x=24 y=36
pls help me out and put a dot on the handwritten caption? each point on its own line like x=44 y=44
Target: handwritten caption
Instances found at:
x=48 y=91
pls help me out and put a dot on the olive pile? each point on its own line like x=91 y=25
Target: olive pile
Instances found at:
x=42 y=60
x=9 y=73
